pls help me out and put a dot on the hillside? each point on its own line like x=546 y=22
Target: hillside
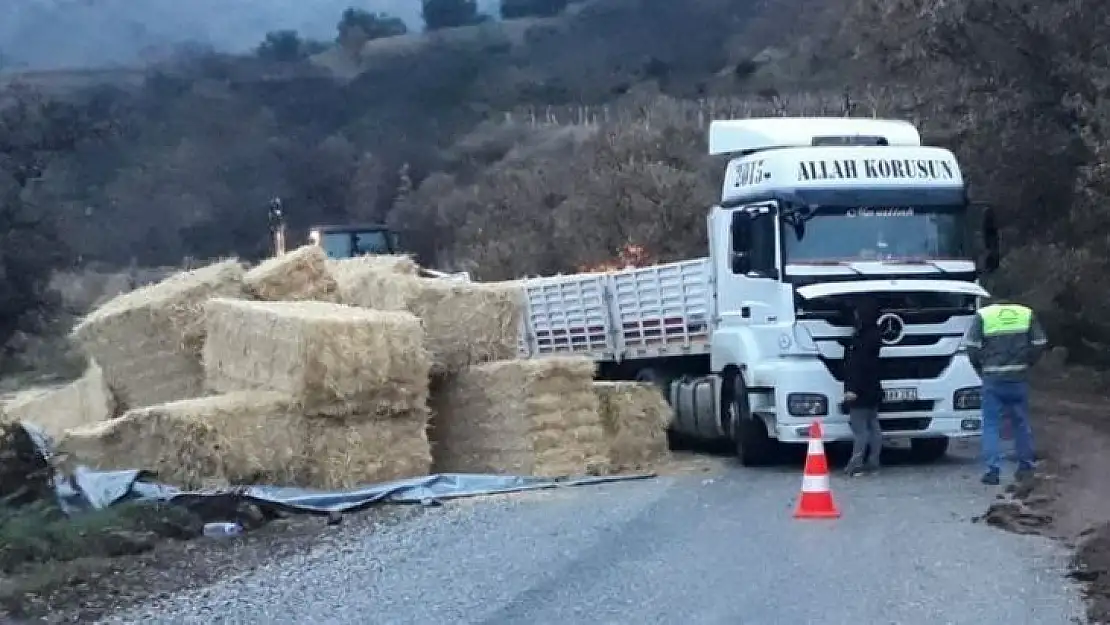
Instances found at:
x=542 y=144
x=54 y=34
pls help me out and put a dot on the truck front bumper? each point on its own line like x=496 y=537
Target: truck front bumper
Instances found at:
x=932 y=414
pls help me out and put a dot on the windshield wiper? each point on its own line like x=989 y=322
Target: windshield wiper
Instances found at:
x=828 y=263
x=918 y=261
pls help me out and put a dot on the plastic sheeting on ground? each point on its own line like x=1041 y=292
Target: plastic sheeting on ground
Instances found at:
x=86 y=488
x=100 y=489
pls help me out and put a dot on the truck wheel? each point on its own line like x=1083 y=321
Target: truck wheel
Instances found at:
x=749 y=434
x=929 y=449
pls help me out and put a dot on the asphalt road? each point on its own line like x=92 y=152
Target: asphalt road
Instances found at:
x=711 y=548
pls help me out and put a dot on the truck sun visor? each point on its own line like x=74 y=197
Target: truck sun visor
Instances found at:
x=826 y=289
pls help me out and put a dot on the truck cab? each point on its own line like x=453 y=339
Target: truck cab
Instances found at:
x=349 y=241
x=813 y=213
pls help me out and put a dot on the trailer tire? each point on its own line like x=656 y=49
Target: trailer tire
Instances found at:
x=754 y=448
x=929 y=449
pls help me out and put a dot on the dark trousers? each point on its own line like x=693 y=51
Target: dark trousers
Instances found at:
x=867 y=441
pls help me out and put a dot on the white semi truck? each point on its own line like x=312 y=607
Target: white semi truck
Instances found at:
x=748 y=343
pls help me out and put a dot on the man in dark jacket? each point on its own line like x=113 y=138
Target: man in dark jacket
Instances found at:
x=863 y=391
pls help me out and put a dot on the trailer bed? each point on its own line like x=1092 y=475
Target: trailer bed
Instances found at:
x=648 y=312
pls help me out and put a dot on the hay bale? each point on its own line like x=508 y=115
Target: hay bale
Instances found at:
x=148 y=341
x=297 y=276
x=181 y=452
x=466 y=323
x=239 y=438
x=367 y=451
x=331 y=359
x=635 y=417
x=83 y=401
x=520 y=417
x=351 y=273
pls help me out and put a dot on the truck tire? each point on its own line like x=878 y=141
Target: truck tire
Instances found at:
x=749 y=434
x=929 y=449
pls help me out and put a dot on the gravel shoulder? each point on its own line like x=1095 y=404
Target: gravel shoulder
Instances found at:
x=716 y=546
x=1068 y=502
x=85 y=589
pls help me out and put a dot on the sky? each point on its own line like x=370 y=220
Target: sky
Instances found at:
x=49 y=34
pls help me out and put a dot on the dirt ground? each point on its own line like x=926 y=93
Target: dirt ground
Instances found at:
x=1069 y=499
x=80 y=591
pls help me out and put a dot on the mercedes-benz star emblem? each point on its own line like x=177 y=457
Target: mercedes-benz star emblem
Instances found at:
x=891 y=328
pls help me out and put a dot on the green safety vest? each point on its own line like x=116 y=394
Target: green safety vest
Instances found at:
x=1005 y=319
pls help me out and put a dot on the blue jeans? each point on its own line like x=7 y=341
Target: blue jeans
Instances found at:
x=1011 y=399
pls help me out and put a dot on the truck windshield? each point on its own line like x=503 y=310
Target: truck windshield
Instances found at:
x=349 y=244
x=872 y=224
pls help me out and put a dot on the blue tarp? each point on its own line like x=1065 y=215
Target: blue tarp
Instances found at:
x=88 y=489
x=98 y=489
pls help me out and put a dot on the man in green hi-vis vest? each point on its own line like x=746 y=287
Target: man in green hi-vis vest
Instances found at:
x=1004 y=341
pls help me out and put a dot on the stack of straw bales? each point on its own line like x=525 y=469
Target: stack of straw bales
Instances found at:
x=319 y=373
x=523 y=417
x=358 y=377
x=55 y=410
x=148 y=341
x=466 y=323
x=297 y=276
x=239 y=438
x=635 y=417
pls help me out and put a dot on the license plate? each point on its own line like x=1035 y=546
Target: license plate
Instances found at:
x=899 y=394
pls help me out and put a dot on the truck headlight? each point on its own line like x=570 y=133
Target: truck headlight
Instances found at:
x=970 y=398
x=807 y=404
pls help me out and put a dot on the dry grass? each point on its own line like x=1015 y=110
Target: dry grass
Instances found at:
x=522 y=417
x=83 y=401
x=331 y=359
x=466 y=323
x=635 y=417
x=250 y=437
x=148 y=341
x=297 y=276
x=361 y=452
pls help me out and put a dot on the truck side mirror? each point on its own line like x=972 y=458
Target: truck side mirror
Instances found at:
x=991 y=246
x=741 y=242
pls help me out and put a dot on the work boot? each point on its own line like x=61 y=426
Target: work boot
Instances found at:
x=854 y=471
x=1023 y=474
x=990 y=478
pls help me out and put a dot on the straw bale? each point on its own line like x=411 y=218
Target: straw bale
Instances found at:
x=351 y=273
x=85 y=400
x=239 y=438
x=635 y=417
x=331 y=359
x=364 y=451
x=521 y=417
x=299 y=275
x=148 y=341
x=466 y=323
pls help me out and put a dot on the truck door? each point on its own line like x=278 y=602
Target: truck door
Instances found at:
x=748 y=272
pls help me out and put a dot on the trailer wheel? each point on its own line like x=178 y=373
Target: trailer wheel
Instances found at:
x=929 y=449
x=754 y=448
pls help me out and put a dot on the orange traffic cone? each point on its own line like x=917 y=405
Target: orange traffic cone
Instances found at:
x=816 y=501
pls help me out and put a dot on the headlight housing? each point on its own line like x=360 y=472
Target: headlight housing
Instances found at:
x=807 y=404
x=970 y=398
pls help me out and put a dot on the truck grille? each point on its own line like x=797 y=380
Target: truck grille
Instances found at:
x=905 y=424
x=904 y=368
